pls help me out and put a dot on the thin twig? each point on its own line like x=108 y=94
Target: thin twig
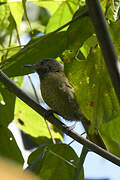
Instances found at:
x=62 y=158
x=103 y=35
x=51 y=118
x=37 y=99
x=18 y=37
x=10 y=48
x=49 y=129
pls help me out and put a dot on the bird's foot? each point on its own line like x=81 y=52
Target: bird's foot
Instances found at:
x=49 y=113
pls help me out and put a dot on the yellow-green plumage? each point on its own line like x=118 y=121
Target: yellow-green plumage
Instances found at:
x=56 y=90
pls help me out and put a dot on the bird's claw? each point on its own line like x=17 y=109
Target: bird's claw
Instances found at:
x=49 y=113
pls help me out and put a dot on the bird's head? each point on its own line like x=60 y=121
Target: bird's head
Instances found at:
x=46 y=66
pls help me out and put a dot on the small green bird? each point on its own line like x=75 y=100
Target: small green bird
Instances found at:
x=59 y=94
x=56 y=89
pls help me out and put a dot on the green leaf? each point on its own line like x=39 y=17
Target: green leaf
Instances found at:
x=2 y=3
x=93 y=87
x=34 y=124
x=94 y=91
x=16 y=9
x=38 y=48
x=88 y=44
x=59 y=162
x=8 y=146
x=4 y=14
x=77 y=31
x=51 y=6
x=6 y=106
x=62 y=15
x=7 y=103
x=111 y=136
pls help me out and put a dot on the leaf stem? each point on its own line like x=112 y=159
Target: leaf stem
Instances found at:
x=81 y=162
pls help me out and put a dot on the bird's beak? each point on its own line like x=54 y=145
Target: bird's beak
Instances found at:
x=29 y=66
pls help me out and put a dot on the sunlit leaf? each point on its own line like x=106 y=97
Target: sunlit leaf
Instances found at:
x=34 y=124
x=62 y=15
x=16 y=9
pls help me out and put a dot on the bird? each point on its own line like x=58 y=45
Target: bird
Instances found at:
x=56 y=90
x=59 y=95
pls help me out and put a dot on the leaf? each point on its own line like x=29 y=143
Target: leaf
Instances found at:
x=4 y=14
x=51 y=6
x=59 y=162
x=114 y=30
x=77 y=31
x=6 y=106
x=2 y=3
x=62 y=15
x=88 y=44
x=7 y=103
x=94 y=91
x=8 y=146
x=111 y=136
x=36 y=48
x=16 y=9
x=34 y=124
x=39 y=48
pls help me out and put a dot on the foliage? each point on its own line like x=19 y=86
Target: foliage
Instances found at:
x=77 y=47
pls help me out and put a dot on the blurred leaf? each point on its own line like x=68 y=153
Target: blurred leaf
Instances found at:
x=51 y=6
x=1 y=3
x=62 y=15
x=16 y=9
x=8 y=146
x=34 y=124
x=4 y=14
x=59 y=162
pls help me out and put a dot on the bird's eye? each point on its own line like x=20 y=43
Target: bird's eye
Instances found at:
x=41 y=62
x=50 y=68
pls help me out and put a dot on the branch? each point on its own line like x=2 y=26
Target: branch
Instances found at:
x=105 y=42
x=40 y=110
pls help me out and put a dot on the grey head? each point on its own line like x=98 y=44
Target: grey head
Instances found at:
x=46 y=66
